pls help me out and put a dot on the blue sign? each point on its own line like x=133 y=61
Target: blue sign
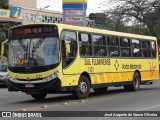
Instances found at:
x=15 y=12
x=74 y=6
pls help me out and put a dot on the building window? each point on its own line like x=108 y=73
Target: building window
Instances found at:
x=32 y=17
x=26 y=16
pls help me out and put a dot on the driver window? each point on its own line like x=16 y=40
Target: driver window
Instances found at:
x=69 y=47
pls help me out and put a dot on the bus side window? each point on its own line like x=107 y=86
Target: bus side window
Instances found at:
x=113 y=46
x=136 y=48
x=125 y=47
x=99 y=44
x=85 y=44
x=146 y=51
x=153 y=49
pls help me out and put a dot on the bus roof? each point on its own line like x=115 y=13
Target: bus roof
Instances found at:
x=101 y=31
x=95 y=30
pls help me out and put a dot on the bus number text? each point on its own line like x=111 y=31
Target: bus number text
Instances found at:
x=38 y=75
x=90 y=69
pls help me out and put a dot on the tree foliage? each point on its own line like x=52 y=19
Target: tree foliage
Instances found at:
x=4 y=4
x=133 y=13
x=5 y=25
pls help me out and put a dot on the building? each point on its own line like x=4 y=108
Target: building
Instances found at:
x=32 y=14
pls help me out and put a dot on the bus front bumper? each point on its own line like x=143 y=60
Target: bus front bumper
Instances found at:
x=35 y=86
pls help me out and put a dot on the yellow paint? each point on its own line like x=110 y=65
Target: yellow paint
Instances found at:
x=2 y=48
x=30 y=76
x=6 y=14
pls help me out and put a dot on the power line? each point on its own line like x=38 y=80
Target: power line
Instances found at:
x=61 y=4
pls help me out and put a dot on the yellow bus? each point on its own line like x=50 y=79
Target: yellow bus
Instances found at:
x=58 y=58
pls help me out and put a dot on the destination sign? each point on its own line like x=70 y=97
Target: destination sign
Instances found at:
x=33 y=30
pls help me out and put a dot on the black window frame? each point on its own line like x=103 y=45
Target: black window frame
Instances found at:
x=104 y=44
x=146 y=49
x=133 y=47
x=76 y=50
x=90 y=45
x=118 y=46
x=113 y=46
x=153 y=57
x=125 y=47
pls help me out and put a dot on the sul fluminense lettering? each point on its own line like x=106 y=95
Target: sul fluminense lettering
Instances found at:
x=97 y=61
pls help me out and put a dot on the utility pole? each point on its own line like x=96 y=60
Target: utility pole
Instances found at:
x=39 y=11
x=83 y=15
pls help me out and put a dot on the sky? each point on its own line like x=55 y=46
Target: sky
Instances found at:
x=93 y=5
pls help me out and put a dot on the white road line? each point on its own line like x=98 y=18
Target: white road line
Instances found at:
x=148 y=108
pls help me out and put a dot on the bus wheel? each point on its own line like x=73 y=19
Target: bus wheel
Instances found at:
x=83 y=88
x=100 y=90
x=39 y=96
x=136 y=83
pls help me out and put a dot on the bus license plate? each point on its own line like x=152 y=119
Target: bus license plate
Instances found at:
x=29 y=85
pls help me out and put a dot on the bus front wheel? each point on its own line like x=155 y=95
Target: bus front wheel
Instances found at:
x=135 y=85
x=83 y=88
x=39 y=96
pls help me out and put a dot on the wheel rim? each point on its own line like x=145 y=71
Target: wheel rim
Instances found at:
x=83 y=87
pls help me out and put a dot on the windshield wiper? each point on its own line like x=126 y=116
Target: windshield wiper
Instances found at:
x=35 y=47
x=23 y=45
x=38 y=44
x=25 y=48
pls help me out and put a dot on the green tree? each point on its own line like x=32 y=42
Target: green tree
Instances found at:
x=4 y=4
x=5 y=25
x=133 y=12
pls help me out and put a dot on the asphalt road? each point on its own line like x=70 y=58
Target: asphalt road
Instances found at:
x=116 y=99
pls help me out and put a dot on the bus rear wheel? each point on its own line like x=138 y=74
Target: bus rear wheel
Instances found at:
x=135 y=85
x=39 y=96
x=100 y=90
x=83 y=88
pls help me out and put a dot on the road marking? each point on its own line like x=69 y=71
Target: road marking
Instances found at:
x=81 y=101
x=44 y=106
x=148 y=108
x=64 y=104
x=23 y=110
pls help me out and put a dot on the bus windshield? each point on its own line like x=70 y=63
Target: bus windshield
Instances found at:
x=39 y=51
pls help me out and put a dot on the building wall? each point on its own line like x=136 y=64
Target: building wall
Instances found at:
x=41 y=16
x=32 y=14
x=23 y=3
